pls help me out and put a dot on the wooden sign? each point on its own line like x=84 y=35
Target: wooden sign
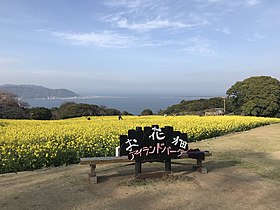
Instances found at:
x=153 y=144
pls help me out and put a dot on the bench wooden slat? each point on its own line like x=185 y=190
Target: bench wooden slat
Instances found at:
x=92 y=161
x=186 y=155
x=112 y=159
x=116 y=159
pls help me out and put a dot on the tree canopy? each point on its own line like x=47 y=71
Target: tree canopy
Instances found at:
x=11 y=107
x=40 y=113
x=147 y=112
x=255 y=96
x=194 y=106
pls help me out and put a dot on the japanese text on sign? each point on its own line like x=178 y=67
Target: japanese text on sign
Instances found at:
x=153 y=143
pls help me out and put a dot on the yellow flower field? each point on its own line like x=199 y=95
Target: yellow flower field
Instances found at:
x=30 y=144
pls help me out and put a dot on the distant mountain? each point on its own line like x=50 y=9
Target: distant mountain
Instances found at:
x=34 y=91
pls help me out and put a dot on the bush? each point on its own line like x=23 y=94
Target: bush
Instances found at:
x=147 y=112
x=40 y=113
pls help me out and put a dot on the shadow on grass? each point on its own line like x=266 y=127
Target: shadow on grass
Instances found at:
x=180 y=166
x=258 y=162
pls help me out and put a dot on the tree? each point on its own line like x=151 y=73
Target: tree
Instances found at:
x=194 y=106
x=11 y=107
x=112 y=112
x=71 y=109
x=126 y=113
x=9 y=100
x=147 y=112
x=40 y=113
x=255 y=96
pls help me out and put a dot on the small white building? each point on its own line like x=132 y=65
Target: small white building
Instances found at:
x=214 y=112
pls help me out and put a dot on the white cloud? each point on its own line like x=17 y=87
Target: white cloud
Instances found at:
x=147 y=15
x=253 y=2
x=115 y=40
x=255 y=37
x=226 y=5
x=133 y=5
x=199 y=46
x=157 y=23
x=103 y=39
x=125 y=3
x=223 y=30
x=215 y=1
x=199 y=50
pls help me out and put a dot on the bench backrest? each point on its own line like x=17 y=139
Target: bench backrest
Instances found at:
x=153 y=143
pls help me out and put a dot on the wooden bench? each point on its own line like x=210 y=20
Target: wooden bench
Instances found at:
x=198 y=167
x=150 y=144
x=96 y=160
x=193 y=154
x=93 y=161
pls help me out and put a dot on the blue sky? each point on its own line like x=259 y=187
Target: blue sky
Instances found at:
x=124 y=47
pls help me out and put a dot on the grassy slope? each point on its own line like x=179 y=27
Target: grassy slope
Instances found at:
x=257 y=150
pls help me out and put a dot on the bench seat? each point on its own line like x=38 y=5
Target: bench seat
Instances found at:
x=92 y=161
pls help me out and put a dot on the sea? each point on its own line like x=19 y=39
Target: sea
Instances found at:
x=133 y=105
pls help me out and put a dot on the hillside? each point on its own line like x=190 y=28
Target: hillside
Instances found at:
x=34 y=91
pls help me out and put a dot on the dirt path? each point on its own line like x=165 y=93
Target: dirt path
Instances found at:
x=235 y=181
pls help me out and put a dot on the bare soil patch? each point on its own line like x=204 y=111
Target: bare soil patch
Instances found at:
x=243 y=174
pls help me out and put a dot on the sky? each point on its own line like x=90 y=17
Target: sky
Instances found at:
x=139 y=47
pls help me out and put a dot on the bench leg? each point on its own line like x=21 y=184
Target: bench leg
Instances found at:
x=137 y=168
x=199 y=162
x=168 y=165
x=198 y=167
x=92 y=174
